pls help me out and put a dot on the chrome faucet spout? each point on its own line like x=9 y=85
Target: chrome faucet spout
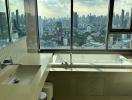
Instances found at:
x=70 y=58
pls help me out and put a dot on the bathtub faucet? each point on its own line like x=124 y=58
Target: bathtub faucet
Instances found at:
x=65 y=63
x=70 y=58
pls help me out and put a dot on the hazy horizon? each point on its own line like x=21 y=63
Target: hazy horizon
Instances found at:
x=62 y=8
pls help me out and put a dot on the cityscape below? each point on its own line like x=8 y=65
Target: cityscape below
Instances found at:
x=89 y=31
x=17 y=30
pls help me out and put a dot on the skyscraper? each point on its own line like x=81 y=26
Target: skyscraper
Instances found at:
x=17 y=18
x=58 y=29
x=122 y=18
x=3 y=23
x=75 y=20
x=40 y=26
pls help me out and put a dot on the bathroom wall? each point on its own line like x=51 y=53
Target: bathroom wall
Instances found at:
x=91 y=86
x=15 y=50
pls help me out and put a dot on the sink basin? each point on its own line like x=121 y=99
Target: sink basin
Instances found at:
x=18 y=82
x=24 y=74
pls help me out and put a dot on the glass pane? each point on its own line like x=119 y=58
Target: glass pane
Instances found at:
x=54 y=23
x=90 y=24
x=17 y=16
x=4 y=36
x=120 y=41
x=122 y=14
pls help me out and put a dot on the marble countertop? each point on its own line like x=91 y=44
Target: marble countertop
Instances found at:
x=32 y=91
x=38 y=59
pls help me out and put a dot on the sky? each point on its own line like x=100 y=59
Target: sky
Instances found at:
x=56 y=8
x=124 y=4
x=2 y=7
x=61 y=8
x=14 y=4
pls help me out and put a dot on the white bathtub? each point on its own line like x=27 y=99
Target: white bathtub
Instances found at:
x=93 y=62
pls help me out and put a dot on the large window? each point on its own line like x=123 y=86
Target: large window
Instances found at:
x=17 y=19
x=90 y=18
x=54 y=18
x=120 y=29
x=4 y=34
x=85 y=24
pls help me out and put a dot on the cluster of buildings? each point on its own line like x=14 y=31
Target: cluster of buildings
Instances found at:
x=54 y=32
x=88 y=31
x=122 y=21
x=17 y=27
x=3 y=29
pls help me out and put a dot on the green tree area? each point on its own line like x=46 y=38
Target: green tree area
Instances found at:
x=4 y=35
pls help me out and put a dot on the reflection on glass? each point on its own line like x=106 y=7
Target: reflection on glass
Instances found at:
x=4 y=37
x=120 y=41
x=90 y=23
x=18 y=25
x=122 y=14
x=54 y=23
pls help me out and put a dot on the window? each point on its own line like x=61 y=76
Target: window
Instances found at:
x=54 y=18
x=90 y=19
x=85 y=24
x=120 y=37
x=17 y=18
x=122 y=14
x=120 y=41
x=4 y=36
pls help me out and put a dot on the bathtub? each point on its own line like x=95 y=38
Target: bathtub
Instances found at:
x=91 y=62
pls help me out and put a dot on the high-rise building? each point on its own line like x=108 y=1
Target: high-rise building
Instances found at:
x=58 y=29
x=122 y=18
x=75 y=20
x=17 y=18
x=59 y=26
x=3 y=22
x=40 y=26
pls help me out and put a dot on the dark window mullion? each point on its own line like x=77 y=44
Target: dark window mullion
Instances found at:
x=116 y=31
x=110 y=14
x=111 y=10
x=8 y=19
x=131 y=21
x=37 y=26
x=71 y=44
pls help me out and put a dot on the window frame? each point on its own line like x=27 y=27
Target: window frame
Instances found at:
x=8 y=19
x=6 y=4
x=98 y=51
x=114 y=30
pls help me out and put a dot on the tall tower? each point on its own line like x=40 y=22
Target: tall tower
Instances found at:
x=75 y=20
x=122 y=18
x=3 y=22
x=58 y=29
x=17 y=18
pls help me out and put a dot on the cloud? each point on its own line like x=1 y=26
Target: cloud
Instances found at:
x=122 y=4
x=95 y=7
x=16 y=4
x=54 y=8
x=2 y=6
x=91 y=2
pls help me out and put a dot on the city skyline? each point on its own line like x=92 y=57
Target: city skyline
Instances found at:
x=89 y=31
